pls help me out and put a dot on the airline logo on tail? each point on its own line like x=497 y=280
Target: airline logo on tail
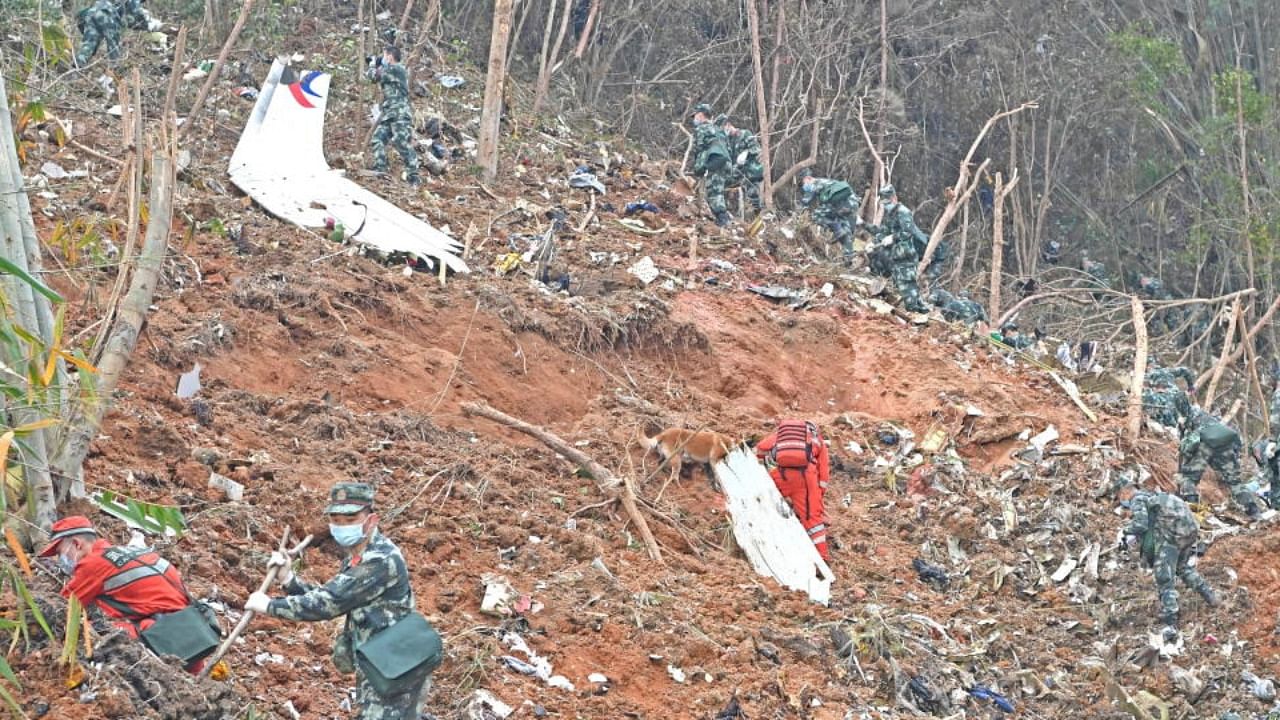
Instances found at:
x=302 y=89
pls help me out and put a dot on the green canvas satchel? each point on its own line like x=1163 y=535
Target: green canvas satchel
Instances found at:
x=399 y=656
x=189 y=634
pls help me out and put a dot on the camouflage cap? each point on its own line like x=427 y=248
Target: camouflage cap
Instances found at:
x=887 y=191
x=703 y=108
x=349 y=498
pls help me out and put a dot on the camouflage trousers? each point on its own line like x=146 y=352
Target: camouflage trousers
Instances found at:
x=750 y=188
x=878 y=262
x=713 y=185
x=841 y=229
x=96 y=27
x=904 y=278
x=941 y=254
x=1195 y=457
x=1172 y=562
x=405 y=706
x=399 y=132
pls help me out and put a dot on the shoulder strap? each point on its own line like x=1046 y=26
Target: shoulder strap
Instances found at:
x=160 y=567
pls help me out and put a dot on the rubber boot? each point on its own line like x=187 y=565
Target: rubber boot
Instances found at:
x=1210 y=597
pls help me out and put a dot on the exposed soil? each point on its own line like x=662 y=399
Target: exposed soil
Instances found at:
x=322 y=370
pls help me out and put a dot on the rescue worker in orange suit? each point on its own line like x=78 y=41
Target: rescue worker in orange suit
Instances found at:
x=128 y=584
x=796 y=457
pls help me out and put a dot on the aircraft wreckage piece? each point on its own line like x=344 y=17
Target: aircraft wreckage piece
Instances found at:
x=768 y=531
x=280 y=163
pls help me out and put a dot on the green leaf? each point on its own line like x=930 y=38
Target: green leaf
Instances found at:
x=8 y=267
x=7 y=673
x=13 y=704
x=21 y=587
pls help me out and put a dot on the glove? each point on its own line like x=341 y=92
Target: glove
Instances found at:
x=1270 y=451
x=1130 y=541
x=257 y=603
x=285 y=573
x=742 y=158
x=887 y=242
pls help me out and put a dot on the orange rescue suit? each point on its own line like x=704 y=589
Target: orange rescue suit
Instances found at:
x=804 y=488
x=128 y=584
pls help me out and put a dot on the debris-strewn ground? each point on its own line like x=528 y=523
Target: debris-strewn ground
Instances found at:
x=316 y=370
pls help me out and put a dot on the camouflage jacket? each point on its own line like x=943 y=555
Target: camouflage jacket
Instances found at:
x=372 y=590
x=1168 y=516
x=1275 y=411
x=133 y=15
x=706 y=138
x=394 y=80
x=909 y=241
x=959 y=308
x=813 y=198
x=1162 y=377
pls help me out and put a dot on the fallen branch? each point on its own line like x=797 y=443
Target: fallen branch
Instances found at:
x=608 y=483
x=267 y=582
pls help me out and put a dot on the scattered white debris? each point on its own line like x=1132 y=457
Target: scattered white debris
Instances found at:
x=498 y=595
x=232 y=489
x=645 y=270
x=598 y=678
x=676 y=673
x=484 y=705
x=189 y=383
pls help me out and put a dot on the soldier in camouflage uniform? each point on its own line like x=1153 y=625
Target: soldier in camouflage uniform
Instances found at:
x=711 y=161
x=748 y=171
x=98 y=22
x=371 y=589
x=834 y=206
x=957 y=308
x=1166 y=530
x=1165 y=401
x=904 y=241
x=103 y=21
x=395 y=121
x=1208 y=442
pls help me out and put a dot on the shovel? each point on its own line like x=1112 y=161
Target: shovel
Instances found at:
x=248 y=615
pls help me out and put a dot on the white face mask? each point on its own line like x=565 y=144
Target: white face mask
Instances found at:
x=67 y=564
x=347 y=535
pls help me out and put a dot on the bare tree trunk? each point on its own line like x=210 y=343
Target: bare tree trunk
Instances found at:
x=404 y=19
x=1251 y=359
x=1139 y=369
x=217 y=69
x=762 y=110
x=25 y=304
x=84 y=419
x=609 y=484
x=966 y=182
x=491 y=115
x=997 y=239
x=1227 y=340
x=585 y=38
x=954 y=277
x=549 y=59
x=1244 y=176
